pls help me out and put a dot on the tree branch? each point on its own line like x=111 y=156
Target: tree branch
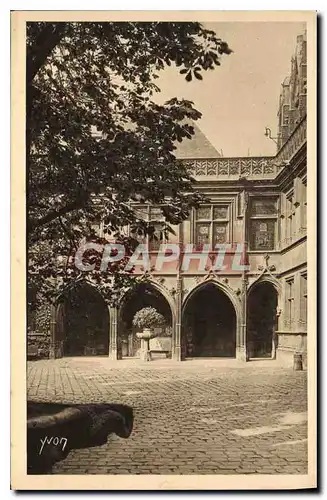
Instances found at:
x=44 y=44
x=54 y=214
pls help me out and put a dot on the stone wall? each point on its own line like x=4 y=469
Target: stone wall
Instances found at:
x=38 y=345
x=288 y=345
x=39 y=338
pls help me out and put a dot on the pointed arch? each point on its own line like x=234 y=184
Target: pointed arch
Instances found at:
x=81 y=318
x=82 y=282
x=211 y=318
x=156 y=286
x=220 y=286
x=266 y=278
x=143 y=294
x=262 y=318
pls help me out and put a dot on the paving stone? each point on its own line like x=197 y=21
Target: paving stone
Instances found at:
x=185 y=415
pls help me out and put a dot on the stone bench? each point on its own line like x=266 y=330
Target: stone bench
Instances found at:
x=161 y=351
x=161 y=345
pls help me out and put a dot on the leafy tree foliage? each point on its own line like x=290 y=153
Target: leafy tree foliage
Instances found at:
x=96 y=140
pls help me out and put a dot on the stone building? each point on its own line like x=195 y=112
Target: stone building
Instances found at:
x=258 y=311
x=293 y=96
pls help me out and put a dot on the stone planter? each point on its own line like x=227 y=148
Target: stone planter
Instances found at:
x=145 y=336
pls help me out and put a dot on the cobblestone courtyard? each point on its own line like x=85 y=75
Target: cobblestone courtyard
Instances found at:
x=201 y=416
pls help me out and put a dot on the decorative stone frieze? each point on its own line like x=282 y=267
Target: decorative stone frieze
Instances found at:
x=250 y=167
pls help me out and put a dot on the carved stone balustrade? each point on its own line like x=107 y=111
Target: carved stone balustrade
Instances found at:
x=252 y=168
x=233 y=168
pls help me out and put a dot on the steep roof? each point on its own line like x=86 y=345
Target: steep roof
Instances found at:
x=197 y=147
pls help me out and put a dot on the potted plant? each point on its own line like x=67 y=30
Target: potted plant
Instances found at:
x=147 y=319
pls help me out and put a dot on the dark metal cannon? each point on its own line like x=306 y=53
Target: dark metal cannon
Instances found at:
x=53 y=430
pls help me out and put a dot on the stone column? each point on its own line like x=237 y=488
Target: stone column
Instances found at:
x=241 y=343
x=52 y=353
x=113 y=333
x=241 y=337
x=274 y=339
x=176 y=347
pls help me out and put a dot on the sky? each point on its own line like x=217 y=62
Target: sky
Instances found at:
x=240 y=98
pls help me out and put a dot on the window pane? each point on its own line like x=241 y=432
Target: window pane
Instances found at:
x=290 y=202
x=304 y=305
x=141 y=212
x=289 y=302
x=304 y=208
x=220 y=212
x=203 y=213
x=262 y=234
x=263 y=206
x=202 y=234
x=220 y=232
x=156 y=213
x=157 y=237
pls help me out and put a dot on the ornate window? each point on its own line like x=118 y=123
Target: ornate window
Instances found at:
x=141 y=212
x=295 y=211
x=289 y=317
x=304 y=204
x=220 y=212
x=304 y=296
x=158 y=235
x=262 y=235
x=263 y=206
x=202 y=234
x=290 y=216
x=212 y=225
x=154 y=215
x=203 y=213
x=263 y=218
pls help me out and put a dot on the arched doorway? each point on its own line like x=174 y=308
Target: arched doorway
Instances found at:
x=143 y=295
x=209 y=324
x=261 y=320
x=82 y=322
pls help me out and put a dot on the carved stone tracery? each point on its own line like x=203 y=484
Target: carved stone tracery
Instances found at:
x=250 y=166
